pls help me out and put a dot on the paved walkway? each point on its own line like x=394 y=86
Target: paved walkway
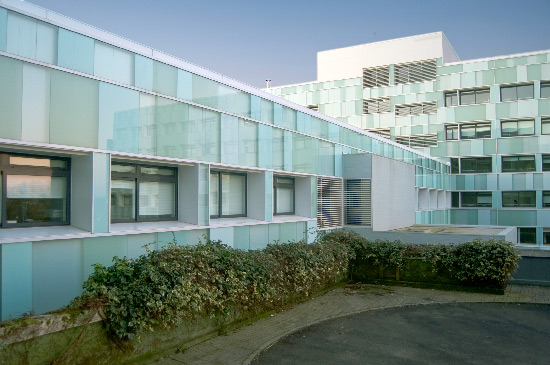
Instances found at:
x=243 y=344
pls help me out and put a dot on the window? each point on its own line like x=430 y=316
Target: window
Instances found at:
x=519 y=199
x=451 y=132
x=376 y=76
x=545 y=125
x=527 y=235
x=545 y=162
x=429 y=107
x=476 y=165
x=518 y=163
x=467 y=97
x=545 y=90
x=477 y=199
x=329 y=202
x=546 y=236
x=283 y=195
x=475 y=130
x=227 y=194
x=516 y=92
x=513 y=128
x=143 y=193
x=546 y=199
x=376 y=105
x=34 y=190
x=418 y=71
x=455 y=199
x=455 y=166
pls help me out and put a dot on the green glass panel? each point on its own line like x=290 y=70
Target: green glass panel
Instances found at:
x=305 y=153
x=35 y=116
x=233 y=100
x=248 y=143
x=143 y=76
x=75 y=51
x=265 y=145
x=185 y=85
x=31 y=38
x=289 y=118
x=267 y=111
x=230 y=139
x=118 y=118
x=3 y=28
x=11 y=89
x=205 y=91
x=73 y=98
x=326 y=158
x=113 y=63
x=165 y=78
x=278 y=148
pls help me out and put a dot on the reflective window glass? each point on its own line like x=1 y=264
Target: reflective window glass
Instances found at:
x=545 y=127
x=227 y=194
x=518 y=163
x=451 y=99
x=545 y=90
x=515 y=199
x=283 y=195
x=475 y=165
x=451 y=132
x=545 y=162
x=527 y=235
x=467 y=97
x=123 y=199
x=546 y=199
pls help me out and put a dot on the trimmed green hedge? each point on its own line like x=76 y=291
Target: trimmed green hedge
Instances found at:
x=168 y=287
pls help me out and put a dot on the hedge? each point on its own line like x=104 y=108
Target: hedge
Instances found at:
x=168 y=287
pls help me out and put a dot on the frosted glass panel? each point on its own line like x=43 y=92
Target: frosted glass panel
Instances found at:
x=30 y=38
x=248 y=143
x=278 y=148
x=3 y=30
x=285 y=200
x=35 y=115
x=233 y=100
x=118 y=118
x=143 y=72
x=123 y=197
x=75 y=51
x=214 y=194
x=11 y=88
x=33 y=199
x=157 y=199
x=113 y=63
x=74 y=110
x=233 y=194
x=165 y=78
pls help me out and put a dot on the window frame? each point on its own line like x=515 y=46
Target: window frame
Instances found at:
x=284 y=185
x=516 y=86
x=517 y=128
x=478 y=194
x=520 y=229
x=544 y=121
x=457 y=95
x=461 y=160
x=7 y=169
x=546 y=193
x=137 y=177
x=514 y=206
x=547 y=158
x=517 y=157
x=546 y=86
x=220 y=192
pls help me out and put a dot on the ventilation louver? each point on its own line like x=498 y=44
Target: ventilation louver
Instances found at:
x=329 y=203
x=357 y=198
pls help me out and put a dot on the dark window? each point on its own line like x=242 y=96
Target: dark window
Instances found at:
x=546 y=236
x=283 y=195
x=545 y=126
x=475 y=130
x=477 y=199
x=34 y=190
x=455 y=169
x=455 y=199
x=516 y=92
x=143 y=193
x=513 y=128
x=518 y=199
x=469 y=97
x=451 y=98
x=227 y=194
x=476 y=165
x=518 y=163
x=546 y=199
x=545 y=90
x=527 y=235
x=451 y=132
x=545 y=162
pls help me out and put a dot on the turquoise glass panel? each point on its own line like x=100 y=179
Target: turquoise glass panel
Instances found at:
x=165 y=78
x=233 y=100
x=118 y=118
x=143 y=77
x=137 y=244
x=287 y=232
x=248 y=143
x=73 y=98
x=305 y=153
x=259 y=236
x=204 y=198
x=31 y=38
x=277 y=114
x=267 y=111
x=230 y=139
x=113 y=63
x=75 y=51
x=241 y=240
x=11 y=89
x=147 y=131
x=265 y=146
x=3 y=28
x=15 y=279
x=102 y=178
x=326 y=158
x=35 y=113
x=101 y=250
x=185 y=85
x=274 y=233
x=289 y=118
x=277 y=142
x=205 y=91
x=255 y=107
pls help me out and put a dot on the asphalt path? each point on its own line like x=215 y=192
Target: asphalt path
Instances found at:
x=465 y=333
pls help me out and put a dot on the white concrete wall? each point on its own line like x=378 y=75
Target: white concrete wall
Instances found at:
x=393 y=194
x=345 y=63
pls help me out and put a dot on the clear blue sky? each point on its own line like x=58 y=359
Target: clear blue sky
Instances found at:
x=251 y=40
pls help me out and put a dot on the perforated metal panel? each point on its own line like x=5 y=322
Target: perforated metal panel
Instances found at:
x=357 y=206
x=329 y=203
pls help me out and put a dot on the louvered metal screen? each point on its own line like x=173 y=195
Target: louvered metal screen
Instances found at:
x=429 y=107
x=376 y=76
x=420 y=140
x=376 y=105
x=419 y=71
x=382 y=132
x=329 y=203
x=357 y=202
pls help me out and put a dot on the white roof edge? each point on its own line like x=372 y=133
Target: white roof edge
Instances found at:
x=533 y=53
x=384 y=41
x=306 y=83
x=54 y=18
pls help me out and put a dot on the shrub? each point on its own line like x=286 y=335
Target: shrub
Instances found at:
x=180 y=283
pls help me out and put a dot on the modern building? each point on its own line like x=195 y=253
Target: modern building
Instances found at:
x=107 y=145
x=490 y=118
